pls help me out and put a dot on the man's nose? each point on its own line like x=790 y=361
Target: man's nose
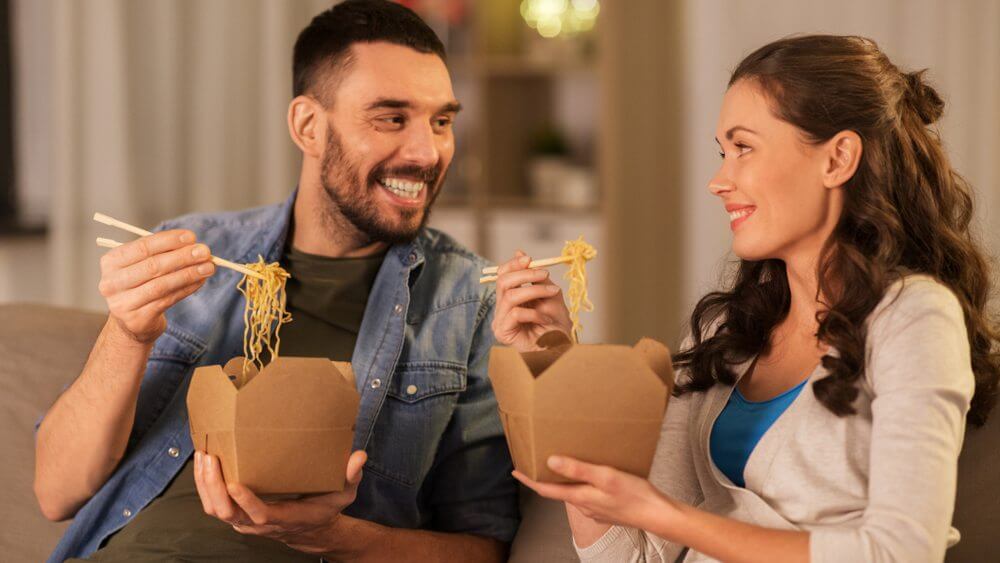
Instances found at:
x=420 y=147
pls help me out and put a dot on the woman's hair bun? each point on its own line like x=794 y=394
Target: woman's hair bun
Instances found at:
x=923 y=98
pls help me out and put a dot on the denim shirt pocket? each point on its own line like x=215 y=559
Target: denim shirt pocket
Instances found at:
x=419 y=403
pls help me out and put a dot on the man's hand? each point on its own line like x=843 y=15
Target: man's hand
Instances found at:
x=308 y=525
x=529 y=304
x=143 y=278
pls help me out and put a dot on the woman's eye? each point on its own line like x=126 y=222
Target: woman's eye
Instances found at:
x=743 y=149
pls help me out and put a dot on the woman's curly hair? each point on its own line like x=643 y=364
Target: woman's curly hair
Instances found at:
x=906 y=210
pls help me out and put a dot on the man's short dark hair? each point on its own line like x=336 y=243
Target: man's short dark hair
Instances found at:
x=323 y=47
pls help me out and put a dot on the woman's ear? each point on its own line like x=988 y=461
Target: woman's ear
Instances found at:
x=306 y=119
x=842 y=155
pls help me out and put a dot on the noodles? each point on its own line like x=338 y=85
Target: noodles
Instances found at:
x=264 y=312
x=581 y=252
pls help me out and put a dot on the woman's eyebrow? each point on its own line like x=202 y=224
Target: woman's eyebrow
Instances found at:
x=732 y=130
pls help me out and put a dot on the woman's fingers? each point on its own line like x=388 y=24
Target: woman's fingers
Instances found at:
x=514 y=320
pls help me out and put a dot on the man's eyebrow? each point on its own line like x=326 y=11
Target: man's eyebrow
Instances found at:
x=393 y=103
x=390 y=103
x=732 y=130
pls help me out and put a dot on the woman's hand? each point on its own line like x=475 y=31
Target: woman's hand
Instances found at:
x=529 y=304
x=606 y=495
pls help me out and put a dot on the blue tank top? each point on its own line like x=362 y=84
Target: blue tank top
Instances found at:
x=739 y=427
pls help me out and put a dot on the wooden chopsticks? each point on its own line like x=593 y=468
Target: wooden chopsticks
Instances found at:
x=108 y=243
x=544 y=263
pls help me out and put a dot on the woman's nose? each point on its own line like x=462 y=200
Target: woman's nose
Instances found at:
x=720 y=185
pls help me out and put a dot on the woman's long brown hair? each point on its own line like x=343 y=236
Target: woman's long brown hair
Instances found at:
x=906 y=211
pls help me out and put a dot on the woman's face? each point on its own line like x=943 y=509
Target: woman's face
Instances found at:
x=771 y=181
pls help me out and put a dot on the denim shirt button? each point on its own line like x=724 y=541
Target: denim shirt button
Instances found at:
x=411 y=390
x=173 y=452
x=376 y=383
x=397 y=309
x=127 y=513
x=412 y=258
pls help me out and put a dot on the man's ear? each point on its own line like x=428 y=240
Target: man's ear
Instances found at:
x=842 y=155
x=307 y=125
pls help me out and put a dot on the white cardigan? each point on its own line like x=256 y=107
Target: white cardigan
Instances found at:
x=875 y=486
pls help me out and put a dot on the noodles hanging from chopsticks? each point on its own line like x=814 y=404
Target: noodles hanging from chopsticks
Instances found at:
x=580 y=252
x=263 y=314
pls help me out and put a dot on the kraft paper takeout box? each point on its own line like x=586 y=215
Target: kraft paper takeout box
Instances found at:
x=602 y=403
x=288 y=429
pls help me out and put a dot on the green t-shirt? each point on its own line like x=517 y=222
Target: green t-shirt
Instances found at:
x=327 y=298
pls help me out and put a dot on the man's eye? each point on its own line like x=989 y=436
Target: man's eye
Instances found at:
x=393 y=120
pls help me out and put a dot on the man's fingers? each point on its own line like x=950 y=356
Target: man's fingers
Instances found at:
x=215 y=487
x=157 y=265
x=256 y=509
x=163 y=286
x=142 y=248
x=521 y=295
x=199 y=484
x=354 y=465
x=157 y=307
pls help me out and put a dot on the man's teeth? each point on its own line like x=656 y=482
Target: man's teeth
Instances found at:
x=403 y=188
x=734 y=215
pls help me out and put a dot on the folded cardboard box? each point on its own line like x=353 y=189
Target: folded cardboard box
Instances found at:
x=601 y=403
x=288 y=429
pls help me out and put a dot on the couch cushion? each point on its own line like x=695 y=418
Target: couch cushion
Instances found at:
x=544 y=534
x=977 y=502
x=42 y=349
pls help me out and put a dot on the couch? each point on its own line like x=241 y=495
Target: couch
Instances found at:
x=43 y=348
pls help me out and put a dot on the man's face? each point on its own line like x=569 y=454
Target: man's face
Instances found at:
x=389 y=140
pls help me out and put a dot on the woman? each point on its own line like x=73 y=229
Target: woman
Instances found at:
x=822 y=398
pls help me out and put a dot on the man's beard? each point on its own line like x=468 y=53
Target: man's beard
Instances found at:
x=356 y=201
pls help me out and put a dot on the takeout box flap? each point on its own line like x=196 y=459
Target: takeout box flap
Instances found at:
x=657 y=356
x=211 y=402
x=320 y=459
x=511 y=379
x=628 y=445
x=600 y=380
x=298 y=393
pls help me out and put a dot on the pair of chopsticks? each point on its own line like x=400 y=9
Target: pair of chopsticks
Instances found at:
x=491 y=272
x=108 y=243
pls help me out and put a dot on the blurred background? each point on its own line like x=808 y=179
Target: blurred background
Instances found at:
x=583 y=117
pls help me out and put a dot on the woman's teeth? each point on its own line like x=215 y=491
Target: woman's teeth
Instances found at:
x=734 y=215
x=403 y=188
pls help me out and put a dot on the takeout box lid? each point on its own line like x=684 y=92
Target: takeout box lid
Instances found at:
x=289 y=393
x=565 y=380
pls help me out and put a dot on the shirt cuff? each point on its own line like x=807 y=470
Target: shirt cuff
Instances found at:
x=612 y=536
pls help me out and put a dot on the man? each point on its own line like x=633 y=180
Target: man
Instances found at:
x=372 y=114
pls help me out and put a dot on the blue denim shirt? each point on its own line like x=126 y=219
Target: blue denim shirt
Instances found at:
x=437 y=458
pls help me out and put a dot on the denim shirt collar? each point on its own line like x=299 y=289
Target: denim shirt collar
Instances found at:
x=271 y=240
